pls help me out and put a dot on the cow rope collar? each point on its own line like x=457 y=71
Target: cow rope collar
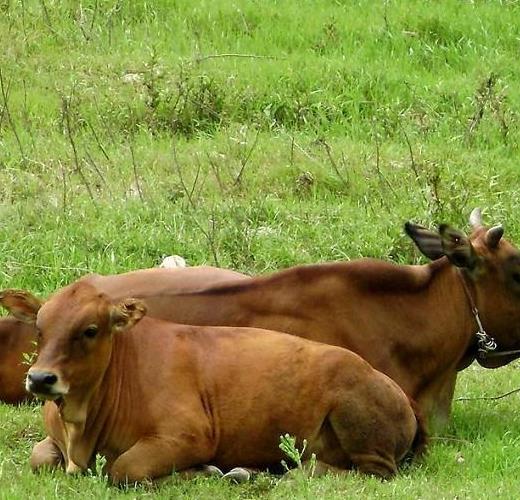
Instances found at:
x=486 y=345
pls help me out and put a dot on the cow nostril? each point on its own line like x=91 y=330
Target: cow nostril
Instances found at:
x=42 y=378
x=50 y=379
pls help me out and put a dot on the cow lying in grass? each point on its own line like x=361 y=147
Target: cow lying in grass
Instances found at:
x=17 y=339
x=153 y=396
x=417 y=324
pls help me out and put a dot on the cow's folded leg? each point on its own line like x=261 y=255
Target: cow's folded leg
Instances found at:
x=375 y=464
x=46 y=454
x=151 y=459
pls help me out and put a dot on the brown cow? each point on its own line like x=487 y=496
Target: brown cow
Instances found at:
x=18 y=338
x=414 y=323
x=153 y=396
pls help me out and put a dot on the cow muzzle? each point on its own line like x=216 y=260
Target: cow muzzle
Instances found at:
x=43 y=384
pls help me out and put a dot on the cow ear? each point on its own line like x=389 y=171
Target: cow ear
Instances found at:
x=126 y=314
x=428 y=242
x=21 y=304
x=457 y=247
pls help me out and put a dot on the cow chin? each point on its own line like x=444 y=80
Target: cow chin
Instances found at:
x=47 y=397
x=497 y=362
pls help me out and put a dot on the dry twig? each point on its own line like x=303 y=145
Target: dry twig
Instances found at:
x=5 y=97
x=70 y=135
x=209 y=235
x=136 y=177
x=199 y=59
x=488 y=398
x=245 y=159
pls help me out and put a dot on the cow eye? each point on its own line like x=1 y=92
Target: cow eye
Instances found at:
x=91 y=331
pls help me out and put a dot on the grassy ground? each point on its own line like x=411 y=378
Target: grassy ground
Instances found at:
x=256 y=135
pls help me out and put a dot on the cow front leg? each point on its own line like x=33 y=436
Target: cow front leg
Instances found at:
x=435 y=402
x=151 y=459
x=46 y=453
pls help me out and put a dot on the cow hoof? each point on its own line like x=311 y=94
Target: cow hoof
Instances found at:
x=237 y=475
x=212 y=470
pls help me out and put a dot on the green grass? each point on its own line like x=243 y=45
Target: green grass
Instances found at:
x=121 y=141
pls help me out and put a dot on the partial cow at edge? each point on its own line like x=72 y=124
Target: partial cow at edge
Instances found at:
x=17 y=343
x=153 y=397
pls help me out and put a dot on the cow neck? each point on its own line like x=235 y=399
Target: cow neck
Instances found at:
x=116 y=385
x=78 y=416
x=86 y=419
x=486 y=345
x=448 y=300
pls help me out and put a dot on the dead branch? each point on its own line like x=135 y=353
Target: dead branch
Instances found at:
x=200 y=59
x=64 y=187
x=496 y=108
x=5 y=98
x=216 y=172
x=70 y=135
x=26 y=115
x=382 y=177
x=136 y=177
x=333 y=162
x=98 y=171
x=449 y=439
x=48 y=20
x=245 y=159
x=291 y=160
x=13 y=263
x=210 y=236
x=488 y=398
x=94 y=16
x=482 y=97
x=413 y=165
x=100 y=145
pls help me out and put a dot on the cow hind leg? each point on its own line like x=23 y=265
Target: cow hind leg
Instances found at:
x=369 y=450
x=375 y=465
x=46 y=454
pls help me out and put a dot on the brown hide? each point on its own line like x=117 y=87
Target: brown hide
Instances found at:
x=411 y=322
x=16 y=339
x=153 y=396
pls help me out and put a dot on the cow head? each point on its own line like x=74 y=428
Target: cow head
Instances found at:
x=491 y=265
x=75 y=329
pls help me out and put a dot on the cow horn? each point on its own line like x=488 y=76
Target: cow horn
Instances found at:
x=493 y=236
x=475 y=219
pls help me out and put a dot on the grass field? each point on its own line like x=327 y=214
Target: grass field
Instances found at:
x=257 y=135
